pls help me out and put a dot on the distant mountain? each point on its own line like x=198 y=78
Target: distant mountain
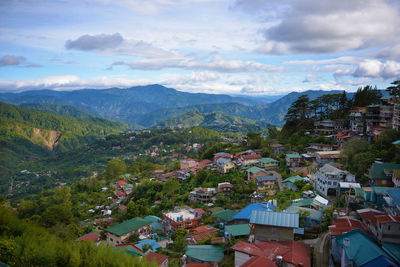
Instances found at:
x=123 y=104
x=27 y=134
x=60 y=109
x=217 y=120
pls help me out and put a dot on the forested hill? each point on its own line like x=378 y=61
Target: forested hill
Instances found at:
x=216 y=120
x=30 y=134
x=60 y=109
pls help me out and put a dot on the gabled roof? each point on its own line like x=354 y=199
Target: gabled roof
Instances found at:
x=316 y=215
x=380 y=190
x=153 y=218
x=225 y=215
x=293 y=156
x=394 y=194
x=344 y=225
x=267 y=160
x=91 y=237
x=249 y=157
x=272 y=218
x=130 y=248
x=159 y=258
x=238 y=229
x=393 y=250
x=380 y=170
x=387 y=218
x=293 y=179
x=259 y=262
x=128 y=226
x=207 y=253
x=255 y=170
x=361 y=248
x=245 y=214
x=303 y=202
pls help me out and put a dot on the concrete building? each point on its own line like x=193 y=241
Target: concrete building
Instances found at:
x=120 y=233
x=185 y=218
x=328 y=178
x=293 y=160
x=203 y=195
x=224 y=165
x=388 y=229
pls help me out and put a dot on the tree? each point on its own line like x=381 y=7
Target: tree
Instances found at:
x=395 y=88
x=366 y=95
x=170 y=187
x=115 y=168
x=299 y=110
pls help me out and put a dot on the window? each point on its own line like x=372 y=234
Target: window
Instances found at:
x=388 y=227
x=112 y=240
x=334 y=183
x=117 y=242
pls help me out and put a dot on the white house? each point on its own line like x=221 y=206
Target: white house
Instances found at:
x=328 y=177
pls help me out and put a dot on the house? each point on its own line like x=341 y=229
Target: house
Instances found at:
x=272 y=254
x=225 y=216
x=148 y=242
x=311 y=222
x=302 y=202
x=381 y=174
x=368 y=218
x=204 y=163
x=324 y=157
x=203 y=195
x=328 y=178
x=343 y=225
x=392 y=199
x=253 y=172
x=356 y=248
x=265 y=182
x=314 y=147
x=160 y=259
x=211 y=254
x=200 y=234
x=249 y=159
x=93 y=237
x=273 y=226
x=244 y=215
x=130 y=248
x=128 y=189
x=277 y=148
x=388 y=229
x=378 y=195
x=353 y=194
x=324 y=127
x=222 y=155
x=224 y=165
x=293 y=160
x=225 y=188
x=268 y=163
x=185 y=218
x=236 y=231
x=188 y=164
x=289 y=183
x=319 y=203
x=120 y=233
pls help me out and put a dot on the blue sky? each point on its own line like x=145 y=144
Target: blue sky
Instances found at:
x=254 y=47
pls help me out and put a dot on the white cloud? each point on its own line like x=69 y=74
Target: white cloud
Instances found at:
x=95 y=42
x=377 y=69
x=10 y=60
x=338 y=60
x=310 y=78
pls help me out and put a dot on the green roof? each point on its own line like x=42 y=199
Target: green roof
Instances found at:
x=254 y=170
x=131 y=250
x=293 y=156
x=293 y=179
x=380 y=190
x=153 y=218
x=359 y=192
x=397 y=142
x=127 y=175
x=216 y=210
x=128 y=185
x=381 y=170
x=267 y=160
x=314 y=214
x=128 y=226
x=238 y=229
x=208 y=253
x=362 y=248
x=225 y=215
x=303 y=203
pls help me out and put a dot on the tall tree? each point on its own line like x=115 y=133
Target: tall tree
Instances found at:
x=395 y=88
x=366 y=95
x=300 y=109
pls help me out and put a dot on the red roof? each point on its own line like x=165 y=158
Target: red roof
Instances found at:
x=369 y=216
x=130 y=244
x=329 y=156
x=91 y=237
x=248 y=157
x=296 y=253
x=344 y=225
x=199 y=211
x=122 y=182
x=159 y=258
x=122 y=207
x=203 y=234
x=225 y=185
x=158 y=171
x=175 y=155
x=387 y=218
x=120 y=194
x=204 y=163
x=259 y=262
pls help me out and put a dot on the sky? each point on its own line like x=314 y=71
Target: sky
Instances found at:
x=250 y=47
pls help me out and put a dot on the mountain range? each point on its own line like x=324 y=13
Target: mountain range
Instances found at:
x=147 y=106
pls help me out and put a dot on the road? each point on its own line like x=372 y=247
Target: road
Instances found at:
x=321 y=256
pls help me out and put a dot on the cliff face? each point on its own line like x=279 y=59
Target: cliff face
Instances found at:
x=48 y=138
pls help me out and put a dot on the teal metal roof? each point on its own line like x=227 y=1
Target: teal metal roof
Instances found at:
x=128 y=226
x=254 y=170
x=394 y=194
x=380 y=190
x=293 y=179
x=225 y=215
x=153 y=218
x=238 y=229
x=293 y=156
x=207 y=253
x=380 y=170
x=397 y=142
x=393 y=250
x=303 y=203
x=272 y=218
x=267 y=160
x=316 y=215
x=361 y=248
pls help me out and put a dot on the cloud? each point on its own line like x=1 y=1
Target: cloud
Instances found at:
x=68 y=82
x=338 y=60
x=10 y=60
x=95 y=42
x=214 y=62
x=377 y=69
x=193 y=78
x=310 y=78
x=325 y=26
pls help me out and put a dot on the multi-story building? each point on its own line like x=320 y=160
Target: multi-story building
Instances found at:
x=328 y=178
x=293 y=159
x=185 y=218
x=225 y=188
x=188 y=163
x=203 y=195
x=381 y=174
x=224 y=165
x=268 y=163
x=372 y=118
x=357 y=120
x=120 y=233
x=386 y=112
x=324 y=157
x=396 y=114
x=325 y=127
x=388 y=229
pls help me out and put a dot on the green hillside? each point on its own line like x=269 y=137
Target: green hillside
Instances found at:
x=60 y=109
x=30 y=134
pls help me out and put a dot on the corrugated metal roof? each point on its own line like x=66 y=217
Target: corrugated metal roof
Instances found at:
x=207 y=253
x=238 y=229
x=282 y=219
x=245 y=214
x=394 y=195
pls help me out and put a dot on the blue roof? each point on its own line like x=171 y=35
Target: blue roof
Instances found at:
x=393 y=250
x=394 y=195
x=156 y=225
x=150 y=242
x=282 y=219
x=221 y=153
x=265 y=178
x=245 y=214
x=381 y=261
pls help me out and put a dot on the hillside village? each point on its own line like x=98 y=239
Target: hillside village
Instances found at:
x=296 y=208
